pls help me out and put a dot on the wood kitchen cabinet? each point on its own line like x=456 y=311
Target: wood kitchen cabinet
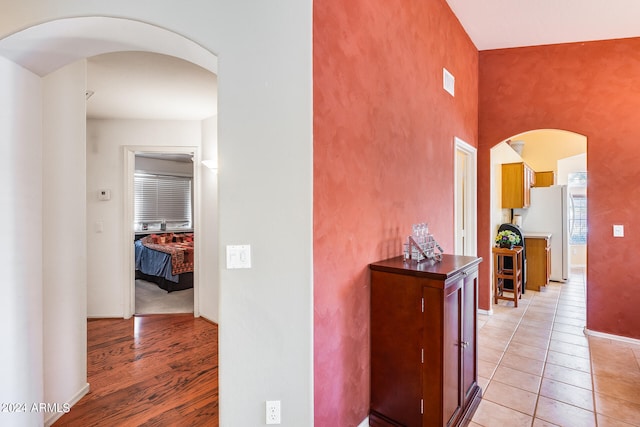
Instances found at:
x=517 y=180
x=538 y=249
x=545 y=179
x=424 y=353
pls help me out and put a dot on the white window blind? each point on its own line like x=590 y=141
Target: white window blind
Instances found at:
x=162 y=198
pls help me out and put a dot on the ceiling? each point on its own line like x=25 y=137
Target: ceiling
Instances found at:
x=497 y=24
x=144 y=85
x=130 y=83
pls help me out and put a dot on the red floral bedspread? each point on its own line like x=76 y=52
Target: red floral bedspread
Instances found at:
x=179 y=246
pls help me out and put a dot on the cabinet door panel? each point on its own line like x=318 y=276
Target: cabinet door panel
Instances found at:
x=396 y=346
x=452 y=403
x=469 y=335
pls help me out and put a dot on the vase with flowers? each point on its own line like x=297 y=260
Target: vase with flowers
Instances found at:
x=507 y=239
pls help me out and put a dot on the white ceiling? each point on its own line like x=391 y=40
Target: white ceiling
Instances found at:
x=143 y=85
x=130 y=83
x=496 y=24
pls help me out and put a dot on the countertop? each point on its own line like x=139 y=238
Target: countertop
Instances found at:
x=536 y=235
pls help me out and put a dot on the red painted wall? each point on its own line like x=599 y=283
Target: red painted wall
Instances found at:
x=383 y=159
x=592 y=89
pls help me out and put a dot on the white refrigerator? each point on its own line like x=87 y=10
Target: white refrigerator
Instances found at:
x=549 y=212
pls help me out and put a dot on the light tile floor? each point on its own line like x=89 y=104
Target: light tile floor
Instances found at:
x=537 y=367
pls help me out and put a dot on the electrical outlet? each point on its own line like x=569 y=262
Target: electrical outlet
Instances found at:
x=273 y=411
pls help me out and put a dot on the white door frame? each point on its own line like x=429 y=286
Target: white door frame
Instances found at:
x=128 y=260
x=470 y=198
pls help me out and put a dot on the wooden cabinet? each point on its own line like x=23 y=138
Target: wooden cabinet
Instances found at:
x=424 y=354
x=538 y=249
x=545 y=179
x=517 y=180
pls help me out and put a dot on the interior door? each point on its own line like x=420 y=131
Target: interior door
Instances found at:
x=461 y=159
x=465 y=198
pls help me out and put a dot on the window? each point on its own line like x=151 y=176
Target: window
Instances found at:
x=578 y=217
x=162 y=199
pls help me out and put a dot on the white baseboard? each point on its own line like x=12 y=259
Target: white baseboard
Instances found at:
x=105 y=317
x=53 y=417
x=364 y=423
x=611 y=337
x=487 y=312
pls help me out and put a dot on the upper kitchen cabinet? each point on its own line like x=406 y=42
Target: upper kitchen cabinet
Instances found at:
x=517 y=180
x=545 y=179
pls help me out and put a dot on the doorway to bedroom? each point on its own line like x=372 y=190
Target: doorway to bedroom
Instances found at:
x=163 y=233
x=162 y=112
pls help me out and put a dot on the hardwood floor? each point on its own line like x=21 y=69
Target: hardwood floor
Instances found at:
x=159 y=370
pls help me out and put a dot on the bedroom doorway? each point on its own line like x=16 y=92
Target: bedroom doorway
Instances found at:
x=164 y=233
x=173 y=120
x=154 y=238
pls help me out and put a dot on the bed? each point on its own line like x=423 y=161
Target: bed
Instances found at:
x=166 y=259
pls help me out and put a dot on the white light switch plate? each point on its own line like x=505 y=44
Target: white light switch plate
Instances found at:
x=238 y=256
x=618 y=231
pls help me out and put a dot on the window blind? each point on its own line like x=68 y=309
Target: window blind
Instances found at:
x=162 y=197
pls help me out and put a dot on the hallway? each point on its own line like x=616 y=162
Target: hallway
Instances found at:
x=538 y=368
x=157 y=370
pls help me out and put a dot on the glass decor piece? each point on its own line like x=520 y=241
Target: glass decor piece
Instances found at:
x=421 y=245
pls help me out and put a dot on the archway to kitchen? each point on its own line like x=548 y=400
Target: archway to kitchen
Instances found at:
x=558 y=159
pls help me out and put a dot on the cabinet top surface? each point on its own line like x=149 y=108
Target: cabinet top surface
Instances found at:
x=536 y=235
x=448 y=267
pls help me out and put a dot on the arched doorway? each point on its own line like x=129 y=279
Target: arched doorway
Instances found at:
x=47 y=50
x=563 y=155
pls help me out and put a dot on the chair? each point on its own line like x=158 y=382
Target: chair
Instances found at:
x=507 y=265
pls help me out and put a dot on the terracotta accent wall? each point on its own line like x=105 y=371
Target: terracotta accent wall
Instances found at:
x=383 y=159
x=592 y=89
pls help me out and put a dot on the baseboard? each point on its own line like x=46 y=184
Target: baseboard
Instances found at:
x=364 y=423
x=203 y=317
x=486 y=312
x=52 y=417
x=104 y=317
x=611 y=337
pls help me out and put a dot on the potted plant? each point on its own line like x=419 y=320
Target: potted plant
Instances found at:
x=507 y=239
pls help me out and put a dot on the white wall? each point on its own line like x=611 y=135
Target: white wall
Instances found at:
x=209 y=266
x=105 y=169
x=565 y=167
x=64 y=236
x=265 y=192
x=21 y=356
x=569 y=165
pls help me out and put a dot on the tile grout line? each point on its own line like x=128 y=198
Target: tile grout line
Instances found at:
x=546 y=356
x=565 y=290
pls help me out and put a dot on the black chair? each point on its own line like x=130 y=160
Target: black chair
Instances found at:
x=508 y=284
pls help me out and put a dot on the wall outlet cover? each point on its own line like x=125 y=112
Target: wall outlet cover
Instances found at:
x=273 y=412
x=238 y=256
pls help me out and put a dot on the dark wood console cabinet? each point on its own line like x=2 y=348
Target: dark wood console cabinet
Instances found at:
x=424 y=354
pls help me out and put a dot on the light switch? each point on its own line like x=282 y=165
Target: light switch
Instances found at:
x=618 y=231
x=238 y=256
